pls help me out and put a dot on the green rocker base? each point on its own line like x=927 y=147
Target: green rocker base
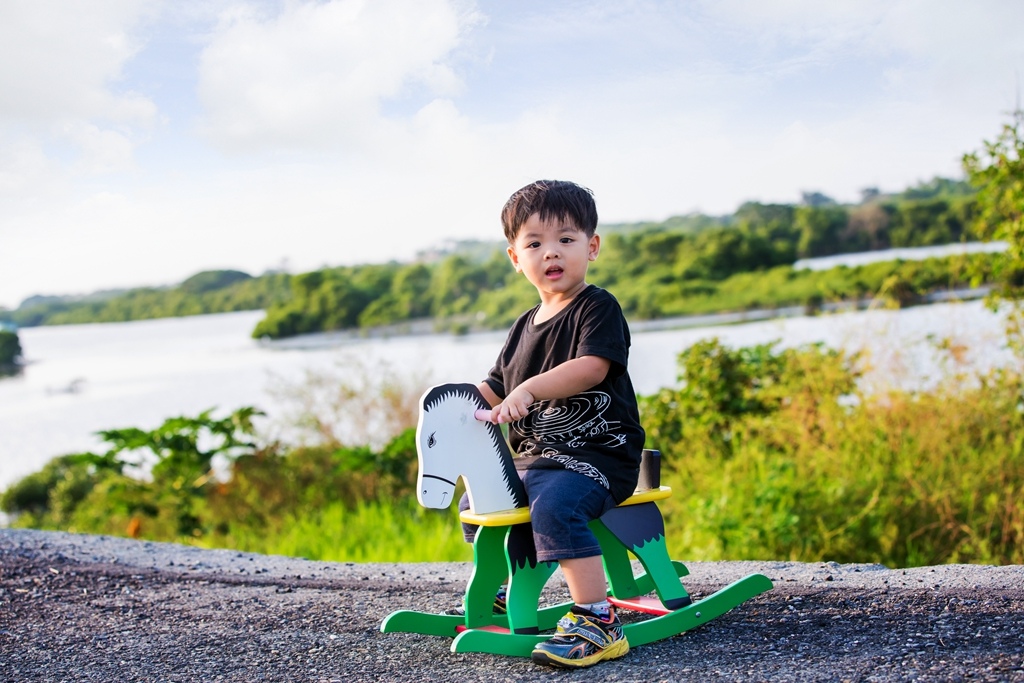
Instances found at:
x=450 y=444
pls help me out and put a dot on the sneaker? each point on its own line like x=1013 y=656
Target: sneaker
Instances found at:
x=582 y=639
x=500 y=606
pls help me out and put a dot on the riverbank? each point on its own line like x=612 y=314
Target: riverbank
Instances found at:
x=429 y=326
x=81 y=608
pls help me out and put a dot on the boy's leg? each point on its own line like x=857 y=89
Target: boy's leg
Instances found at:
x=586 y=580
x=562 y=504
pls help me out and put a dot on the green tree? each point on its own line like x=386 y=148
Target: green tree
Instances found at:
x=456 y=284
x=10 y=347
x=926 y=222
x=816 y=199
x=411 y=289
x=210 y=280
x=773 y=216
x=868 y=227
x=997 y=170
x=819 y=228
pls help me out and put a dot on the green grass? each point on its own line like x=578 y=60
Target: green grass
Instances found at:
x=376 y=531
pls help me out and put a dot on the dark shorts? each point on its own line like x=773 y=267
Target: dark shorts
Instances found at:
x=562 y=504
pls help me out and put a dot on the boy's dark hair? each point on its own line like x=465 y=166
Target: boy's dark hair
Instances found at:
x=551 y=199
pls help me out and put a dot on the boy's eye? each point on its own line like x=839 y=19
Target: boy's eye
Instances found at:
x=566 y=240
x=533 y=245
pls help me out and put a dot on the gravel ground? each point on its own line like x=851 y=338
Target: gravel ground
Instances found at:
x=95 y=608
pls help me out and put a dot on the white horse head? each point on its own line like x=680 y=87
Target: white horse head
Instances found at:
x=451 y=442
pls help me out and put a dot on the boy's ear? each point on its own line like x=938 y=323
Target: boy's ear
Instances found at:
x=595 y=248
x=514 y=257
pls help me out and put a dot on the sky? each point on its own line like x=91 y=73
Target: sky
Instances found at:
x=143 y=141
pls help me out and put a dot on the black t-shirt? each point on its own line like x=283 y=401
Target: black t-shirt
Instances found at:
x=597 y=432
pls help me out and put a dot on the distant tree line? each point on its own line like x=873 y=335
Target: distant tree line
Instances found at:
x=218 y=291
x=686 y=264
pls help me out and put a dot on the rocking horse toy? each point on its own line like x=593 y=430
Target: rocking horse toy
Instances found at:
x=452 y=442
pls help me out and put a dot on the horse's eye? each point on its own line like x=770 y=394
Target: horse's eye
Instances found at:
x=431 y=440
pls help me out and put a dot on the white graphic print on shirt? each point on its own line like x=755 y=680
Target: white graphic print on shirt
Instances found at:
x=574 y=423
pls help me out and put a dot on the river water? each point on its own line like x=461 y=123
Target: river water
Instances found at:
x=84 y=378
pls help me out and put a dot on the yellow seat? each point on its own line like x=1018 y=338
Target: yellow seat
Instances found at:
x=522 y=515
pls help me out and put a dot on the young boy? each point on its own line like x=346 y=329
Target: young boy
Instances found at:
x=560 y=382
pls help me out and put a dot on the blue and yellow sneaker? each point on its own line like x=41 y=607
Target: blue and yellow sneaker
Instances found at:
x=582 y=639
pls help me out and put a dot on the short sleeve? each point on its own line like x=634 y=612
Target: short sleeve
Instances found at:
x=603 y=332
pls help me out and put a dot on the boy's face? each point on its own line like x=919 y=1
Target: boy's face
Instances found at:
x=554 y=257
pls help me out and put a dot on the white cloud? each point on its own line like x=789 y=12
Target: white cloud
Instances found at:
x=63 y=108
x=23 y=166
x=101 y=151
x=57 y=63
x=316 y=73
x=931 y=45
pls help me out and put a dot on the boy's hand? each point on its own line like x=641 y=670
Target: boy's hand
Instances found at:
x=562 y=381
x=515 y=406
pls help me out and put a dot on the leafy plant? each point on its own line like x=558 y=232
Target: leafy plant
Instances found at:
x=777 y=455
x=997 y=170
x=725 y=389
x=10 y=347
x=94 y=489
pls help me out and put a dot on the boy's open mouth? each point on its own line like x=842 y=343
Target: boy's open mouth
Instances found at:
x=553 y=271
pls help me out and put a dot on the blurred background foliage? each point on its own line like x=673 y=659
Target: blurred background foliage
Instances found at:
x=771 y=453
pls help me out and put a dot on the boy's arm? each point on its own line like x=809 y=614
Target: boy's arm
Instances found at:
x=562 y=381
x=488 y=394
